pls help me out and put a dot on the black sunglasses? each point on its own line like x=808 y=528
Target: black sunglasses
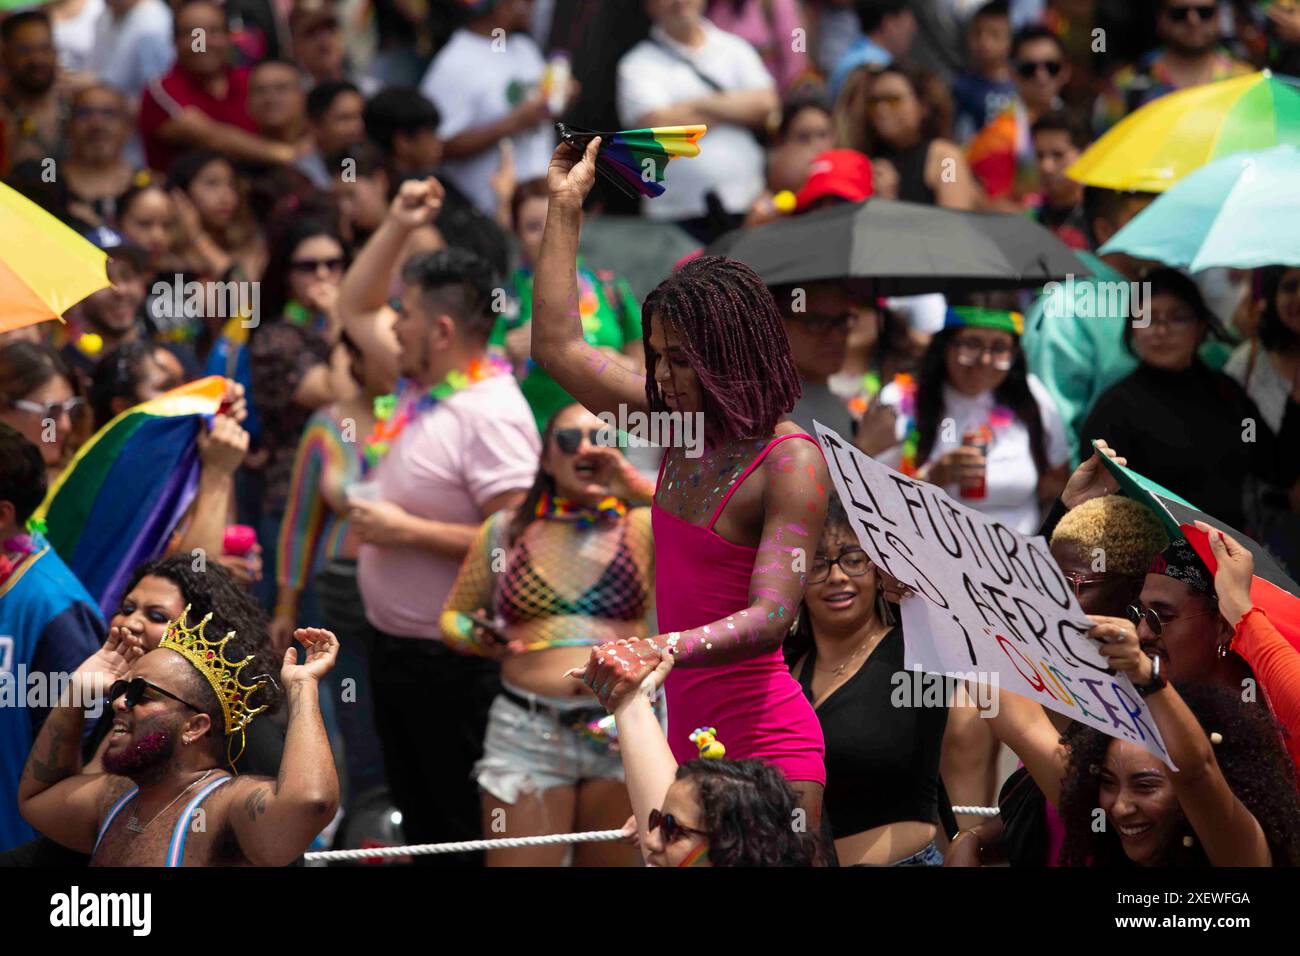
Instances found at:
x=1204 y=12
x=1027 y=68
x=1137 y=614
x=672 y=829
x=135 y=689
x=569 y=440
x=334 y=264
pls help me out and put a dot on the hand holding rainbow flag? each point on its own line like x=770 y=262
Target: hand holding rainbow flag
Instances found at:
x=636 y=160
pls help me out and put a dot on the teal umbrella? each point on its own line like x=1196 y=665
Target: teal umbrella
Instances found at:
x=1239 y=212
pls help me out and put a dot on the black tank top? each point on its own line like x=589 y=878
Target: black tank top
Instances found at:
x=910 y=164
x=882 y=761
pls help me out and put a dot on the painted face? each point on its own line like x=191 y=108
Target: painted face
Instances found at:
x=1105 y=593
x=1139 y=802
x=894 y=110
x=317 y=261
x=149 y=607
x=579 y=475
x=978 y=360
x=145 y=737
x=530 y=225
x=676 y=378
x=680 y=801
x=214 y=194
x=842 y=603
x=150 y=222
x=1189 y=629
x=819 y=335
x=1171 y=339
x=47 y=431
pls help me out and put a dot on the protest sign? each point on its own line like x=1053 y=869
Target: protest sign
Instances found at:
x=989 y=600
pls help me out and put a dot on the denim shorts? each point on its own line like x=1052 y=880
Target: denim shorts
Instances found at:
x=531 y=749
x=928 y=855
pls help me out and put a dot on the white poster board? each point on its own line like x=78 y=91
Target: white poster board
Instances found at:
x=991 y=604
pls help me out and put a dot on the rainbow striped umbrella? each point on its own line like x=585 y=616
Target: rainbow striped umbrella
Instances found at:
x=45 y=267
x=1157 y=145
x=120 y=498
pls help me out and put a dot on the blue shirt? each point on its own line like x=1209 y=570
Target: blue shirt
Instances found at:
x=49 y=624
x=978 y=101
x=864 y=52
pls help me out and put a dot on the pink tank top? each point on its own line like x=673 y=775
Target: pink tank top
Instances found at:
x=756 y=706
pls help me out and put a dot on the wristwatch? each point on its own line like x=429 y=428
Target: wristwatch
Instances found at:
x=1157 y=681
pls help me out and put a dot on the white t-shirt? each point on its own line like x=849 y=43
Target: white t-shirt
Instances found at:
x=730 y=161
x=1266 y=388
x=473 y=84
x=74 y=38
x=132 y=52
x=1011 y=480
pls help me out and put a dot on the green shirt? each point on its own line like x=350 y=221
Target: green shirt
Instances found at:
x=1078 y=352
x=611 y=316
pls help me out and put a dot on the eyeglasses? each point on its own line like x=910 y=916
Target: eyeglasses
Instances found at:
x=102 y=112
x=823 y=324
x=853 y=563
x=970 y=354
x=569 y=440
x=672 y=829
x=1081 y=581
x=1028 y=68
x=71 y=407
x=315 y=265
x=136 y=688
x=1203 y=12
x=1137 y=614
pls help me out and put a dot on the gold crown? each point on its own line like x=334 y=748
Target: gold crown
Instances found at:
x=210 y=660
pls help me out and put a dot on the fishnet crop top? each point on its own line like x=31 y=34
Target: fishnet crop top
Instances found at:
x=559 y=586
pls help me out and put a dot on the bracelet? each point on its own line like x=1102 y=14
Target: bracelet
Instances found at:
x=978 y=842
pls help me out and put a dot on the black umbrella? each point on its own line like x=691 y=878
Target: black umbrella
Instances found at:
x=904 y=249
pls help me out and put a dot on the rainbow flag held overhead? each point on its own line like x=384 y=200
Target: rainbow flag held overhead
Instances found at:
x=122 y=495
x=636 y=160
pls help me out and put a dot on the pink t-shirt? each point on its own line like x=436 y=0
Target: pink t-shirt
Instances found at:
x=471 y=447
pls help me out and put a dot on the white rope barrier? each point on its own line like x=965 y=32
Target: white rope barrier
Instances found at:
x=425 y=849
x=504 y=843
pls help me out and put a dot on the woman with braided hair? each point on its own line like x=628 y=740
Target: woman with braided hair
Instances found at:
x=733 y=521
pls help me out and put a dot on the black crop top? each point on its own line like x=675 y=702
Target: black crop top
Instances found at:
x=882 y=761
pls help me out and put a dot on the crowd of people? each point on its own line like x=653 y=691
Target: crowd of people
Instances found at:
x=436 y=598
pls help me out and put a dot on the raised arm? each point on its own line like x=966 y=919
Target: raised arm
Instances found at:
x=1023 y=725
x=591 y=376
x=54 y=796
x=1227 y=830
x=276 y=821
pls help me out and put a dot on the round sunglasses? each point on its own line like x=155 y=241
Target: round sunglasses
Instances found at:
x=671 y=828
x=1137 y=614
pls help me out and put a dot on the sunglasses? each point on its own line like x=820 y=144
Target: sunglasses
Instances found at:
x=1203 y=13
x=1081 y=581
x=569 y=440
x=315 y=265
x=672 y=829
x=71 y=407
x=1137 y=614
x=854 y=563
x=136 y=688
x=1027 y=68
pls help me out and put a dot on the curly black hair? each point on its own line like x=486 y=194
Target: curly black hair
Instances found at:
x=1251 y=757
x=749 y=812
x=213 y=590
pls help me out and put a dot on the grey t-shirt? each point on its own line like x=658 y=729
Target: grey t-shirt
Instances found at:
x=820 y=403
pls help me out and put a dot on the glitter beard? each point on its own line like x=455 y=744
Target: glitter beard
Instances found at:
x=150 y=752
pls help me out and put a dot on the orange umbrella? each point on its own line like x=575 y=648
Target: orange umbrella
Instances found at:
x=45 y=267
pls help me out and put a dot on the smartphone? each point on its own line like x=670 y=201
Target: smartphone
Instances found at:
x=494 y=630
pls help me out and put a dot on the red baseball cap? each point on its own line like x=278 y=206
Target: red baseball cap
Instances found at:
x=844 y=173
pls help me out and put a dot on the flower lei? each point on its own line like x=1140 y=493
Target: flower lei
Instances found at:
x=394 y=412
x=608 y=508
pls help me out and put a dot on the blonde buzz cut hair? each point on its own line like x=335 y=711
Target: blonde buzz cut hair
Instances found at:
x=1128 y=534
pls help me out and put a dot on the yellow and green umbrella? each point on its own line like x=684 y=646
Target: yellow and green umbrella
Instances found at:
x=45 y=267
x=1157 y=145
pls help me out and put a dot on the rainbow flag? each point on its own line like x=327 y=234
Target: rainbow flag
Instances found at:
x=120 y=498
x=636 y=160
